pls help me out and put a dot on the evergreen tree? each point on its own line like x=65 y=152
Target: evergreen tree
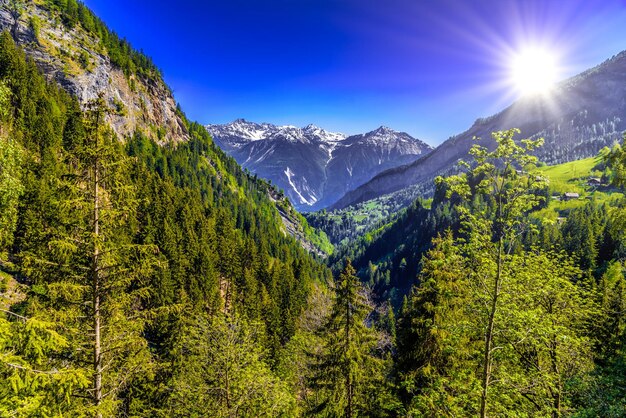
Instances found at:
x=11 y=186
x=222 y=369
x=91 y=275
x=347 y=372
x=436 y=350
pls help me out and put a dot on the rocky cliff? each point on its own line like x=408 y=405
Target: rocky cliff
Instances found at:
x=79 y=61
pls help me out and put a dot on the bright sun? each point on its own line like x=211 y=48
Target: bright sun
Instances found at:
x=533 y=71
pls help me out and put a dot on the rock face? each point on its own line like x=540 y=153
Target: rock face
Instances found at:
x=581 y=116
x=313 y=166
x=79 y=63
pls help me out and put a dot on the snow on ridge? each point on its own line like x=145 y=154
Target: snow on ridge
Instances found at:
x=289 y=175
x=324 y=135
x=251 y=131
x=240 y=131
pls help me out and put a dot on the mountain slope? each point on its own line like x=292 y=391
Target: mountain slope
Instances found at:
x=76 y=49
x=582 y=115
x=112 y=267
x=315 y=167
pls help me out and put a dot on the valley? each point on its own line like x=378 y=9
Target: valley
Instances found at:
x=155 y=266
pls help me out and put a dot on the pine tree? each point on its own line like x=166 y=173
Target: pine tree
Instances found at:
x=612 y=292
x=91 y=274
x=11 y=186
x=436 y=350
x=347 y=371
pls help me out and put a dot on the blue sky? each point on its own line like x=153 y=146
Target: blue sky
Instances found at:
x=427 y=67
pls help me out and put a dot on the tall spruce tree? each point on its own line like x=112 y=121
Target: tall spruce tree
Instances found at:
x=89 y=276
x=436 y=354
x=347 y=372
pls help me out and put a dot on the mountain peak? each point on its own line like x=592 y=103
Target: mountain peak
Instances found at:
x=289 y=133
x=322 y=135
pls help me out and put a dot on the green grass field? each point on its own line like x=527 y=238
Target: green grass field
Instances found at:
x=572 y=177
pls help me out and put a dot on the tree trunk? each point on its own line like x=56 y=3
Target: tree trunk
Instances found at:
x=96 y=285
x=489 y=334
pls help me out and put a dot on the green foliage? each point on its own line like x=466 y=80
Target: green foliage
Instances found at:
x=35 y=26
x=378 y=255
x=181 y=232
x=90 y=275
x=11 y=187
x=159 y=276
x=615 y=161
x=435 y=349
x=33 y=379
x=223 y=370
x=349 y=377
x=493 y=328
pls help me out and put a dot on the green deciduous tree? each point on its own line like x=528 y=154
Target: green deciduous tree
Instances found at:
x=545 y=342
x=616 y=164
x=493 y=328
x=495 y=231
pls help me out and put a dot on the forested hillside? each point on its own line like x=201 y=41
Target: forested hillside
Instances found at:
x=510 y=297
x=150 y=276
x=115 y=253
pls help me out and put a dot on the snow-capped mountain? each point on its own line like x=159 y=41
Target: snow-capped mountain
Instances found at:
x=313 y=166
x=240 y=132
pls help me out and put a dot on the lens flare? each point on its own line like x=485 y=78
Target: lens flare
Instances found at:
x=533 y=71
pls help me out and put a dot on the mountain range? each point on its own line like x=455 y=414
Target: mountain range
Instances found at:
x=577 y=118
x=313 y=166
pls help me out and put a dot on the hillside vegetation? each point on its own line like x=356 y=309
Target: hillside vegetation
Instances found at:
x=117 y=247
x=150 y=276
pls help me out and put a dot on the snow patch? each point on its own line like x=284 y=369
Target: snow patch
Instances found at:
x=289 y=175
x=262 y=157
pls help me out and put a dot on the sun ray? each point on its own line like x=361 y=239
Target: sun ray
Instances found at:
x=533 y=70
